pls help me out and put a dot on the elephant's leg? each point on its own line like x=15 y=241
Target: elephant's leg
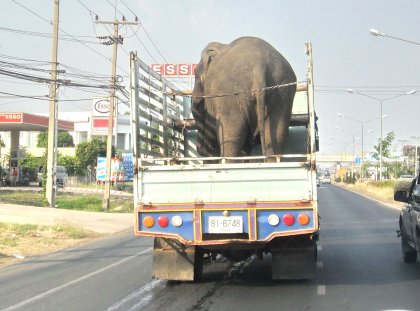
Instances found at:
x=276 y=130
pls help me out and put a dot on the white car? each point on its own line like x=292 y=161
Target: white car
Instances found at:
x=407 y=177
x=326 y=180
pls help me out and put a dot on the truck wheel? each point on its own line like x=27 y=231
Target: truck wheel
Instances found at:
x=409 y=253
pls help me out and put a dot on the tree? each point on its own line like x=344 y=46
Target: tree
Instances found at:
x=88 y=152
x=70 y=163
x=64 y=139
x=386 y=146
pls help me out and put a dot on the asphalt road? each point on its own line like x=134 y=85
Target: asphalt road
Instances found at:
x=359 y=268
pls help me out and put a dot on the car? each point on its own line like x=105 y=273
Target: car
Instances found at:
x=326 y=180
x=408 y=177
x=409 y=220
x=61 y=175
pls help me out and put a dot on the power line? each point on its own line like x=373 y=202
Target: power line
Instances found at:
x=47 y=35
x=43 y=97
x=93 y=50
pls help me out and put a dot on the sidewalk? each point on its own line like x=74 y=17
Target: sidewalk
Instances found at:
x=104 y=223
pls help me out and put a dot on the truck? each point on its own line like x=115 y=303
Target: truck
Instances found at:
x=199 y=208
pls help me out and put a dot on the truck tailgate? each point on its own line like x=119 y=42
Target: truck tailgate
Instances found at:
x=291 y=181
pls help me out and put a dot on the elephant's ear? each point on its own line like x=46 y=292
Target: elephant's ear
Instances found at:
x=211 y=50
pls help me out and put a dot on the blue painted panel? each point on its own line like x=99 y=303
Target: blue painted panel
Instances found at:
x=186 y=230
x=265 y=229
x=205 y=218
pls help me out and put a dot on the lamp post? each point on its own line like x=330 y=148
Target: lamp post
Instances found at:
x=376 y=33
x=362 y=124
x=353 y=146
x=381 y=101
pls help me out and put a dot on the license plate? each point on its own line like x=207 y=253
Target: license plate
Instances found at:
x=222 y=224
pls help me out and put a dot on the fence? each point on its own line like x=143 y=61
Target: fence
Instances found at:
x=157 y=116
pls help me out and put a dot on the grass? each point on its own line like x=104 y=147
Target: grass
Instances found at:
x=22 y=240
x=93 y=203
x=73 y=201
x=379 y=190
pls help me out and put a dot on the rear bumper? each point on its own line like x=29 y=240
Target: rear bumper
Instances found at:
x=255 y=226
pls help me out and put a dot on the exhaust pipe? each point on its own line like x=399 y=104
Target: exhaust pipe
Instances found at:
x=314 y=237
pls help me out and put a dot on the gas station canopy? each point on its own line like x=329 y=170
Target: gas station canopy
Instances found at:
x=20 y=121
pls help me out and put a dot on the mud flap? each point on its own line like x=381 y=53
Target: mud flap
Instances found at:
x=173 y=260
x=294 y=262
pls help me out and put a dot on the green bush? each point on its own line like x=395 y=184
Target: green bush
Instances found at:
x=402 y=185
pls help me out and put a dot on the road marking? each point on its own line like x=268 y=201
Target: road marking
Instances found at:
x=320 y=290
x=135 y=294
x=319 y=248
x=320 y=264
x=75 y=281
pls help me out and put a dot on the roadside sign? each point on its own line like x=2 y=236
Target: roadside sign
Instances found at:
x=100 y=116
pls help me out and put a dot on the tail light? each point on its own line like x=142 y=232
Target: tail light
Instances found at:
x=163 y=221
x=303 y=219
x=148 y=221
x=176 y=221
x=273 y=220
x=288 y=219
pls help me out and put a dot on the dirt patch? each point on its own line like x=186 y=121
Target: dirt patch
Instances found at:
x=18 y=241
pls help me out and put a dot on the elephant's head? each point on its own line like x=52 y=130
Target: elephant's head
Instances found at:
x=211 y=50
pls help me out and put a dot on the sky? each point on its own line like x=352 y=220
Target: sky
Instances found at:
x=345 y=54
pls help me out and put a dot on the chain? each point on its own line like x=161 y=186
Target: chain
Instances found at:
x=267 y=88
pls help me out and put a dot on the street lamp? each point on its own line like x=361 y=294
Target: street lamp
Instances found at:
x=353 y=146
x=362 y=124
x=381 y=101
x=376 y=33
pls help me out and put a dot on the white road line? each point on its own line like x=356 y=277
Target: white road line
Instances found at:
x=85 y=277
x=319 y=248
x=320 y=264
x=143 y=302
x=320 y=290
x=135 y=294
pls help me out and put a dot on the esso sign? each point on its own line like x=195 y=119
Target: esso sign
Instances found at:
x=100 y=107
x=174 y=70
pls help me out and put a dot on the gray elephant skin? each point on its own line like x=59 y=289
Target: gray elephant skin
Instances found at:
x=232 y=114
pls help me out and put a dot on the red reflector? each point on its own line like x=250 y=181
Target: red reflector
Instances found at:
x=288 y=219
x=163 y=221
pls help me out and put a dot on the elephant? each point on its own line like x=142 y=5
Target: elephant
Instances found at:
x=233 y=112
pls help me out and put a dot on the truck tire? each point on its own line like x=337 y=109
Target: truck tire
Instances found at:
x=409 y=253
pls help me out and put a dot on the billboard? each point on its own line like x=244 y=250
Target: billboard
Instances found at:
x=121 y=168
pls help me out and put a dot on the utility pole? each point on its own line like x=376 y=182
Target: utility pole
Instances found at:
x=112 y=103
x=51 y=190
